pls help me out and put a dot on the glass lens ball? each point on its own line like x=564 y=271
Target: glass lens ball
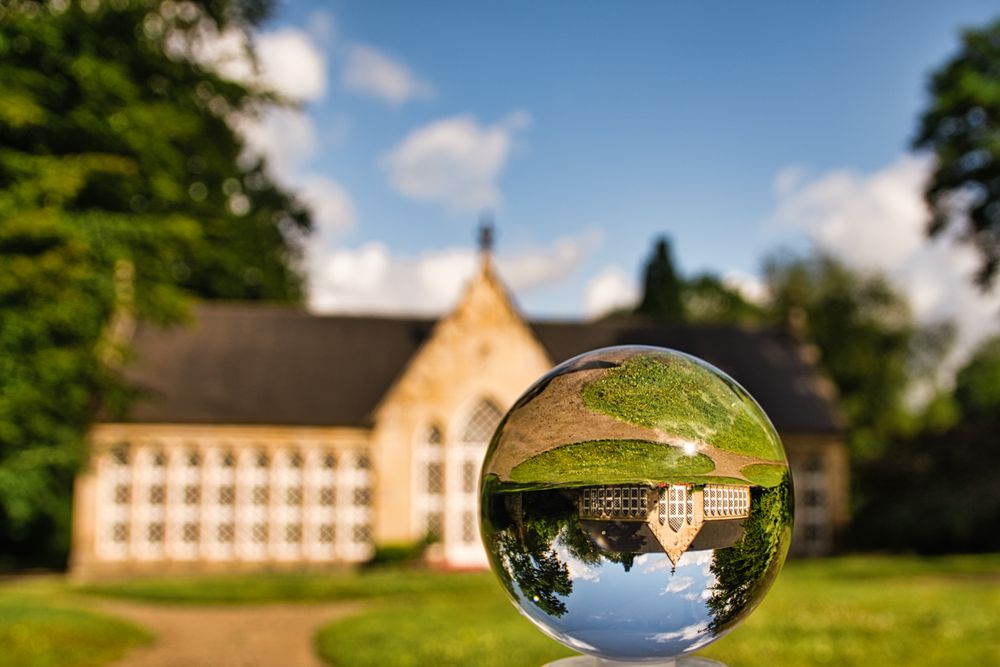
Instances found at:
x=636 y=503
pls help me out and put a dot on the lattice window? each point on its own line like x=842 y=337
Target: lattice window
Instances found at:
x=469 y=470
x=361 y=497
x=120 y=455
x=429 y=482
x=123 y=494
x=150 y=512
x=435 y=526
x=361 y=534
x=468 y=526
x=320 y=481
x=676 y=506
x=252 y=513
x=619 y=502
x=435 y=478
x=482 y=422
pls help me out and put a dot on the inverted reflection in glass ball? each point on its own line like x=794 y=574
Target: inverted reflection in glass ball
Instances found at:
x=636 y=503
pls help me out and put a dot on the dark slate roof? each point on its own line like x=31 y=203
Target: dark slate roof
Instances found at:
x=636 y=536
x=248 y=364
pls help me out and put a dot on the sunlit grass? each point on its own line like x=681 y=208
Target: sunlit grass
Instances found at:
x=288 y=587
x=42 y=625
x=764 y=474
x=478 y=627
x=635 y=461
x=849 y=611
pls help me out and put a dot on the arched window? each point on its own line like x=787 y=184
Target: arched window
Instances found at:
x=482 y=422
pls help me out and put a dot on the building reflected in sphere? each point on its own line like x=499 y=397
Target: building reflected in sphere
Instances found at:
x=636 y=503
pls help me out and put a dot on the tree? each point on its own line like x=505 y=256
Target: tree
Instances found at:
x=944 y=496
x=661 y=298
x=960 y=126
x=977 y=384
x=702 y=299
x=864 y=333
x=708 y=300
x=124 y=192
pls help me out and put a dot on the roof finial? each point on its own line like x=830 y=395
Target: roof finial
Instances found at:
x=486 y=233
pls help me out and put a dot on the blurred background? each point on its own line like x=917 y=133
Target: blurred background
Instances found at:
x=224 y=204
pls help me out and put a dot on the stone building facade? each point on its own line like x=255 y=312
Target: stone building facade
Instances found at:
x=267 y=437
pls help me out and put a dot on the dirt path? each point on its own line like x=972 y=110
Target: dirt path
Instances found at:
x=228 y=636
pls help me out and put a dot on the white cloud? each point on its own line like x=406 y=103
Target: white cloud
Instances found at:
x=877 y=221
x=370 y=279
x=370 y=72
x=609 y=290
x=291 y=64
x=331 y=206
x=455 y=161
x=286 y=137
x=687 y=633
x=677 y=585
x=288 y=61
x=751 y=287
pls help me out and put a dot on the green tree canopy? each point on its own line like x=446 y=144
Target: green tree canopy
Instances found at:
x=124 y=192
x=703 y=298
x=864 y=332
x=977 y=385
x=961 y=125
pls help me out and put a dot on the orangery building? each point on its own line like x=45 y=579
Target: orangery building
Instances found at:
x=266 y=437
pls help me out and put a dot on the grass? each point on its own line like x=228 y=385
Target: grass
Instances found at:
x=43 y=625
x=290 y=587
x=612 y=462
x=848 y=611
x=478 y=628
x=764 y=474
x=675 y=395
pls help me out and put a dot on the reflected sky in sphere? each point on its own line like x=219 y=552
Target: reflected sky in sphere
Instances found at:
x=636 y=503
x=624 y=613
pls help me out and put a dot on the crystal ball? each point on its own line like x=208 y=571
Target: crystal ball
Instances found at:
x=636 y=503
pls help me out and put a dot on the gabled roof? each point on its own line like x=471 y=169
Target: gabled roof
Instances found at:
x=250 y=364
x=636 y=536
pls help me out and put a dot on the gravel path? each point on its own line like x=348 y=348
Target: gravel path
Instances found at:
x=228 y=636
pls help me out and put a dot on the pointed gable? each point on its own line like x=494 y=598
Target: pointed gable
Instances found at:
x=483 y=345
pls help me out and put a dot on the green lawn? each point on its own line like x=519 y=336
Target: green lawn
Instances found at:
x=291 y=587
x=676 y=395
x=765 y=474
x=43 y=625
x=612 y=462
x=845 y=611
x=849 y=611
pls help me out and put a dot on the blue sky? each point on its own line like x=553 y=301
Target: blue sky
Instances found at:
x=589 y=128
